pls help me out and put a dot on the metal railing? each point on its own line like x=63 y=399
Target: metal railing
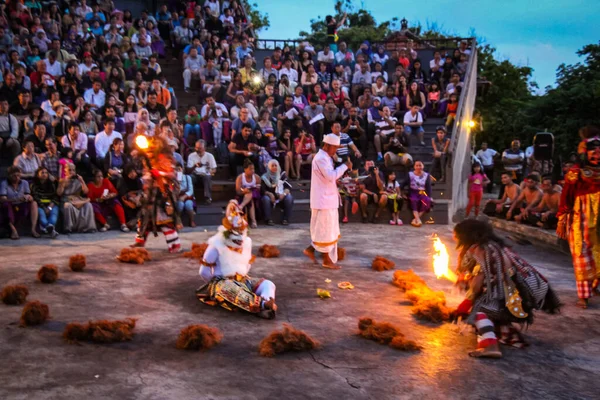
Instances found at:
x=422 y=44
x=271 y=44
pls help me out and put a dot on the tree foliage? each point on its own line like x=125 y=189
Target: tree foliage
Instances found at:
x=259 y=20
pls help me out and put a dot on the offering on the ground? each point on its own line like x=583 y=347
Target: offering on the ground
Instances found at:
x=382 y=264
x=198 y=337
x=77 y=262
x=34 y=313
x=288 y=339
x=268 y=251
x=345 y=285
x=48 y=273
x=14 y=294
x=385 y=333
x=324 y=294
x=102 y=331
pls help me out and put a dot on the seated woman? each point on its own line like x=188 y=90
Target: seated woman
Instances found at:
x=305 y=148
x=115 y=160
x=17 y=203
x=130 y=192
x=275 y=191
x=503 y=288
x=78 y=212
x=185 y=199
x=103 y=195
x=43 y=191
x=247 y=186
x=419 y=192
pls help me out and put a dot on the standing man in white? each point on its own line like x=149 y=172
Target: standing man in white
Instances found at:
x=324 y=203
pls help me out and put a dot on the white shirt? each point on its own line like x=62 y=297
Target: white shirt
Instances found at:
x=219 y=108
x=53 y=69
x=487 y=156
x=47 y=107
x=408 y=117
x=292 y=74
x=324 y=194
x=326 y=58
x=207 y=160
x=84 y=69
x=96 y=99
x=433 y=63
x=102 y=142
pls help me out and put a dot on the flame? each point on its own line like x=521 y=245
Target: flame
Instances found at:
x=441 y=259
x=142 y=142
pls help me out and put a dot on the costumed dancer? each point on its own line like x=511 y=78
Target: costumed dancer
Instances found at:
x=324 y=203
x=578 y=215
x=503 y=288
x=158 y=211
x=225 y=266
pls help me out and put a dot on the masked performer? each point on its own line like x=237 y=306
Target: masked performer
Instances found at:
x=503 y=288
x=578 y=215
x=158 y=210
x=225 y=267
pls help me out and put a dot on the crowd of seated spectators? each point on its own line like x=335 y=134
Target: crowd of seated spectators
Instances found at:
x=80 y=81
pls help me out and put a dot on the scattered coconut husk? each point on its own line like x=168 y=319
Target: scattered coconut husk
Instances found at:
x=288 y=339
x=134 y=255
x=198 y=337
x=432 y=311
x=48 y=273
x=102 y=331
x=14 y=294
x=407 y=280
x=382 y=264
x=34 y=313
x=77 y=262
x=423 y=293
x=268 y=251
x=341 y=253
x=385 y=333
x=197 y=251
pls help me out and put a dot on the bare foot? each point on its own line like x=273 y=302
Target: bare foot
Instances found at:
x=488 y=352
x=327 y=263
x=310 y=253
x=269 y=311
x=582 y=303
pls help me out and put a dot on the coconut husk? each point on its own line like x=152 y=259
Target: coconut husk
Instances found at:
x=382 y=264
x=134 y=255
x=198 y=337
x=268 y=251
x=341 y=253
x=77 y=262
x=424 y=294
x=288 y=339
x=428 y=305
x=48 y=273
x=407 y=280
x=385 y=333
x=34 y=313
x=197 y=251
x=14 y=294
x=102 y=331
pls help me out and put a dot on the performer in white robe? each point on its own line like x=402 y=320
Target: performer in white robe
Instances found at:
x=225 y=267
x=324 y=203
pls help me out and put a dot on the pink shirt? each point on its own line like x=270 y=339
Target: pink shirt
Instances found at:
x=476 y=181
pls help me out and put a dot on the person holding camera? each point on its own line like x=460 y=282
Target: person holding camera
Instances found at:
x=353 y=126
x=372 y=192
x=325 y=202
x=396 y=150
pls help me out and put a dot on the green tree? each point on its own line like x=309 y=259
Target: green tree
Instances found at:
x=259 y=20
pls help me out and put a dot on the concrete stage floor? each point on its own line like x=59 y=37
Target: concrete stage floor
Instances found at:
x=563 y=361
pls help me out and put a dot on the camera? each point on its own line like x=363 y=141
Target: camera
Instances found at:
x=371 y=170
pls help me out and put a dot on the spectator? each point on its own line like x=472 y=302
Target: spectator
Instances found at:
x=440 y=146
x=185 y=199
x=38 y=138
x=192 y=67
x=288 y=71
x=384 y=129
x=486 y=156
x=396 y=151
x=418 y=186
x=17 y=203
x=287 y=115
x=202 y=166
x=163 y=96
x=394 y=196
x=95 y=97
x=372 y=191
x=242 y=146
x=305 y=150
x=50 y=159
x=544 y=214
x=115 y=161
x=346 y=144
x=361 y=80
x=130 y=193
x=390 y=100
x=275 y=192
x=528 y=199
x=477 y=180
x=353 y=126
x=500 y=207
x=240 y=102
x=28 y=162
x=513 y=159
x=9 y=132
x=413 y=123
x=43 y=190
x=192 y=122
x=104 y=140
x=103 y=197
x=451 y=110
x=416 y=98
x=247 y=187
x=156 y=111
x=77 y=141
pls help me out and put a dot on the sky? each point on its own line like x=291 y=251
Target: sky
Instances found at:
x=535 y=33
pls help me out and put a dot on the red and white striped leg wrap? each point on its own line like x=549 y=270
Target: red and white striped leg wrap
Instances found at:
x=584 y=289
x=172 y=239
x=485 y=331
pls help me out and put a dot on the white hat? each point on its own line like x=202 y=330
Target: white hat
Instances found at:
x=332 y=139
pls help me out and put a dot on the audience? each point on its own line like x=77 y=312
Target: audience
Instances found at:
x=276 y=191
